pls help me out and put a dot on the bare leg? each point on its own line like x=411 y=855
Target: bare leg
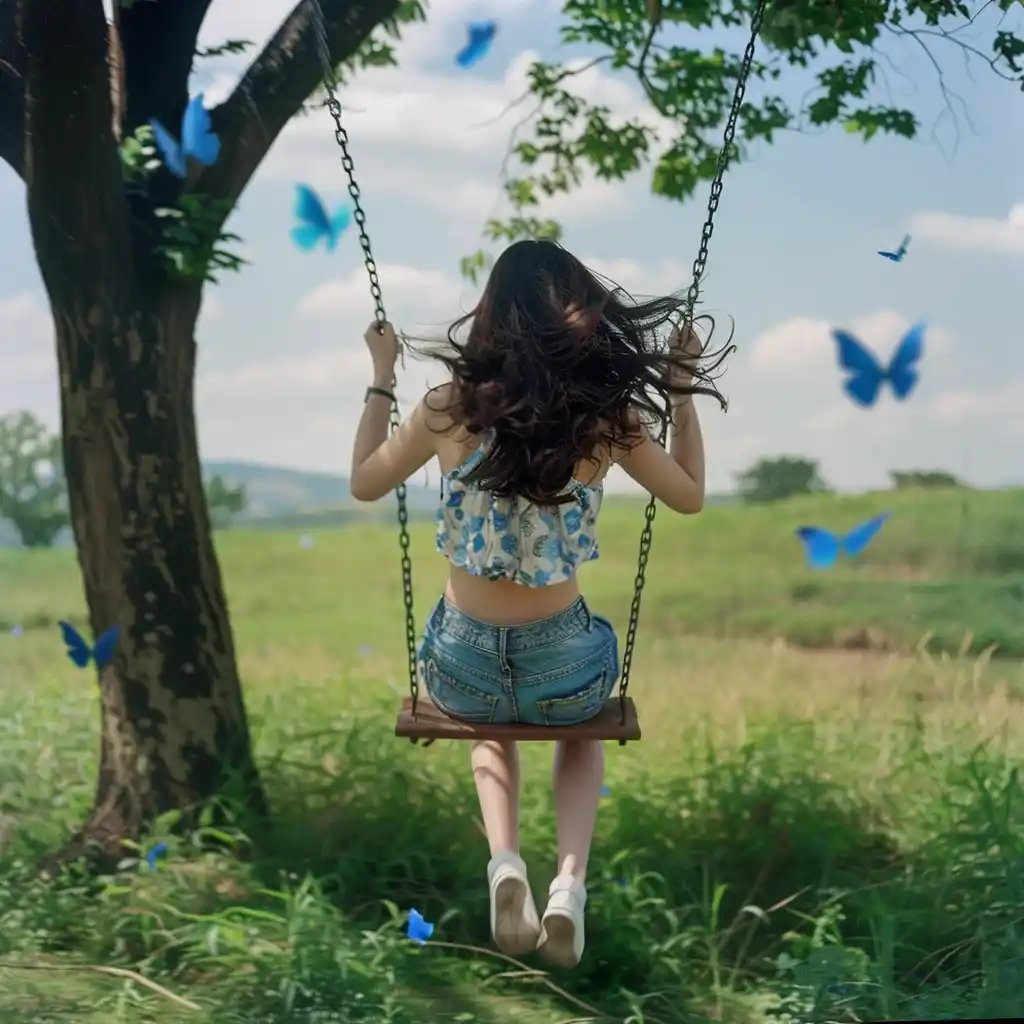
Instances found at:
x=579 y=776
x=496 y=774
x=514 y=922
x=579 y=773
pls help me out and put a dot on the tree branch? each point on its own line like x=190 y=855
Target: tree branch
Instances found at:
x=12 y=87
x=76 y=205
x=277 y=84
x=159 y=42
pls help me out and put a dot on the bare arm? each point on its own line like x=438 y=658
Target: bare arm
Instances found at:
x=380 y=463
x=686 y=442
x=675 y=477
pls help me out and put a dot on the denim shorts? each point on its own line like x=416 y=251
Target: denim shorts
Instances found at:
x=555 y=671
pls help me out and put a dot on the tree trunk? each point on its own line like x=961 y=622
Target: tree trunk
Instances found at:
x=174 y=728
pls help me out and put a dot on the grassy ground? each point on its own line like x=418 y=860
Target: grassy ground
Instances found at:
x=949 y=564
x=802 y=835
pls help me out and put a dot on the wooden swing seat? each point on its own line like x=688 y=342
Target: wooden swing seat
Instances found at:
x=431 y=723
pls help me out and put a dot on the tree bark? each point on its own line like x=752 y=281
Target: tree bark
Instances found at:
x=12 y=86
x=174 y=727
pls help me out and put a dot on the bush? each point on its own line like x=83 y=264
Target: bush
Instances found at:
x=779 y=478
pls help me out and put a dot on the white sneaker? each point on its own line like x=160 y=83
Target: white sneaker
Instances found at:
x=514 y=923
x=561 y=937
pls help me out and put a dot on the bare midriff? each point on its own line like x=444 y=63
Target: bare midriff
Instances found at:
x=504 y=602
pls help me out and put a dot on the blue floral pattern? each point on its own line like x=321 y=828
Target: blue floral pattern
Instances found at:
x=511 y=539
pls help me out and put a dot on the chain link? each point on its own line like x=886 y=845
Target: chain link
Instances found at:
x=359 y=216
x=693 y=293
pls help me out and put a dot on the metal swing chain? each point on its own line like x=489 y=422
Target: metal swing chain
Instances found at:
x=692 y=295
x=359 y=216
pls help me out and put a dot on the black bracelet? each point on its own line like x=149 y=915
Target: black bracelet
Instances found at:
x=377 y=391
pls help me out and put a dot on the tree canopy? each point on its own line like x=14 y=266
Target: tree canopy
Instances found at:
x=842 y=45
x=32 y=492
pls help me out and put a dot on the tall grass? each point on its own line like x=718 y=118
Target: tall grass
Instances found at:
x=801 y=836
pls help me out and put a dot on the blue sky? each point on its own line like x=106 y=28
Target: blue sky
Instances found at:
x=282 y=367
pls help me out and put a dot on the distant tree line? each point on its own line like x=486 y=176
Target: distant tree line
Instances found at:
x=785 y=476
x=33 y=489
x=902 y=479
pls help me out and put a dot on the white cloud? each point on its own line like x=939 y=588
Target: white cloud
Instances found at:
x=842 y=418
x=319 y=373
x=428 y=138
x=24 y=313
x=915 y=421
x=804 y=345
x=973 y=234
x=452 y=112
x=408 y=289
x=212 y=306
x=28 y=360
x=670 y=276
x=312 y=380
x=26 y=338
x=217 y=89
x=1001 y=403
x=435 y=136
x=792 y=344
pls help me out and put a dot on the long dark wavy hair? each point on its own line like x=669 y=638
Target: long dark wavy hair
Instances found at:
x=558 y=365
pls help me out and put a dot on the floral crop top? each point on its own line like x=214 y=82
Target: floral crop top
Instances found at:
x=510 y=538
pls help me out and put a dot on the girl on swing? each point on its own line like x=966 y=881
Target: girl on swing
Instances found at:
x=558 y=380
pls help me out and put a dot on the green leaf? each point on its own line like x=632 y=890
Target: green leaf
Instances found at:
x=192 y=240
x=229 y=46
x=471 y=267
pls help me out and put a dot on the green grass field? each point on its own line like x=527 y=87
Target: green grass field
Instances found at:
x=824 y=821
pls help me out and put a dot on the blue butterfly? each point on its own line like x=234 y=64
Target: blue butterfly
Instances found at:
x=823 y=547
x=79 y=651
x=418 y=929
x=197 y=141
x=868 y=374
x=316 y=223
x=158 y=851
x=481 y=35
x=897 y=256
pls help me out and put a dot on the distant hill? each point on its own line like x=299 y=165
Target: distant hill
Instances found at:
x=288 y=498
x=281 y=498
x=275 y=491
